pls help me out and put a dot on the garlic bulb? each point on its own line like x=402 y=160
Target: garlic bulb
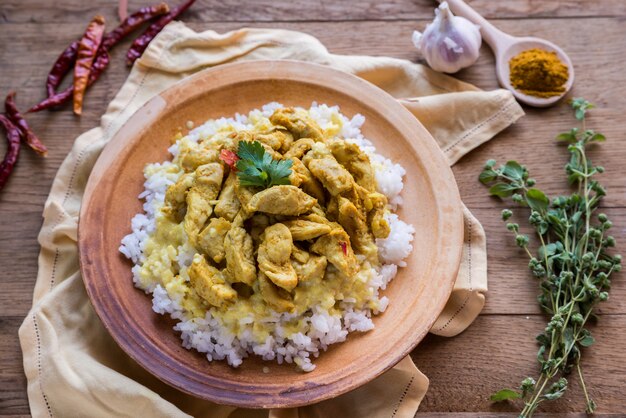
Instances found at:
x=450 y=42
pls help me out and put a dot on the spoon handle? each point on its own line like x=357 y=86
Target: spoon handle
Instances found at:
x=496 y=39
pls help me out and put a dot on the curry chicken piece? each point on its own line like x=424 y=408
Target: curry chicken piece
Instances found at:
x=194 y=155
x=356 y=162
x=333 y=176
x=239 y=254
x=299 y=148
x=244 y=195
x=335 y=246
x=312 y=269
x=274 y=254
x=376 y=216
x=211 y=239
x=175 y=197
x=206 y=187
x=278 y=139
x=302 y=229
x=268 y=141
x=355 y=224
x=302 y=177
x=298 y=122
x=279 y=299
x=299 y=255
x=256 y=225
x=281 y=200
x=209 y=283
x=228 y=204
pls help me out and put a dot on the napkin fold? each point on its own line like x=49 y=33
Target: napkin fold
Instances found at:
x=73 y=366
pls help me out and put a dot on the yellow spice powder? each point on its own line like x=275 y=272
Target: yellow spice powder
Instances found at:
x=539 y=73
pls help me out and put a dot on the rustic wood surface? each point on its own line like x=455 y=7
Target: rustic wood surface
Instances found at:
x=498 y=349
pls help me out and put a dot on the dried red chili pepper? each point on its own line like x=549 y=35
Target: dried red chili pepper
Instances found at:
x=25 y=131
x=141 y=43
x=56 y=100
x=344 y=247
x=132 y=22
x=61 y=67
x=101 y=61
x=87 y=50
x=13 y=150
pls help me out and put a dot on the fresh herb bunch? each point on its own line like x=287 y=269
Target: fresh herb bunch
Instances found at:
x=256 y=167
x=572 y=262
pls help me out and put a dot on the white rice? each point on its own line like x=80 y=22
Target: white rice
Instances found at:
x=319 y=328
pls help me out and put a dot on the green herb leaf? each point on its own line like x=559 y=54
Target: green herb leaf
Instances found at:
x=554 y=395
x=546 y=251
x=570 y=136
x=502 y=189
x=513 y=170
x=556 y=390
x=257 y=168
x=537 y=200
x=580 y=107
x=587 y=341
x=598 y=138
x=487 y=176
x=568 y=337
x=505 y=395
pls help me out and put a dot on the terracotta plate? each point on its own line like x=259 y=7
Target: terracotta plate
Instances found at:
x=417 y=295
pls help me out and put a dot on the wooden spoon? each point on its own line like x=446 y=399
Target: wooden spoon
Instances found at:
x=505 y=47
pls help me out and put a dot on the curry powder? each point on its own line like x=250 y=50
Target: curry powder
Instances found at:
x=539 y=73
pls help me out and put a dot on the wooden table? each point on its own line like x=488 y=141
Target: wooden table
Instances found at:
x=498 y=349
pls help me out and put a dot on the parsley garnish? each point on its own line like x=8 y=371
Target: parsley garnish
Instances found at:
x=257 y=168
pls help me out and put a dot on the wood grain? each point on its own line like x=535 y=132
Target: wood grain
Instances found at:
x=13 y=400
x=70 y=11
x=498 y=351
x=33 y=32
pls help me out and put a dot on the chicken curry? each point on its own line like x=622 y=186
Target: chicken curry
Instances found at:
x=308 y=239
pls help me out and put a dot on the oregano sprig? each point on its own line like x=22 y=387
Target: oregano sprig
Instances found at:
x=572 y=262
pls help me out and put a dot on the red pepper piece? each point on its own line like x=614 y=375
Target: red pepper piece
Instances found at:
x=230 y=158
x=141 y=43
x=61 y=67
x=87 y=50
x=13 y=150
x=102 y=57
x=25 y=131
x=344 y=247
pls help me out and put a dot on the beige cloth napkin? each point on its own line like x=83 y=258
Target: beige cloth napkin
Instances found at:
x=73 y=366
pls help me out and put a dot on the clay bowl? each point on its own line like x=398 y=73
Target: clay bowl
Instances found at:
x=417 y=295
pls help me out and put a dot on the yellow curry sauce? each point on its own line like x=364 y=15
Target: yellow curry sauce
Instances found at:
x=245 y=254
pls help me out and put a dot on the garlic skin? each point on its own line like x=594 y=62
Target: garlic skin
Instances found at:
x=450 y=42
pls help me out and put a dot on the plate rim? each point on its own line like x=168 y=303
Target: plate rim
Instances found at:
x=290 y=70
